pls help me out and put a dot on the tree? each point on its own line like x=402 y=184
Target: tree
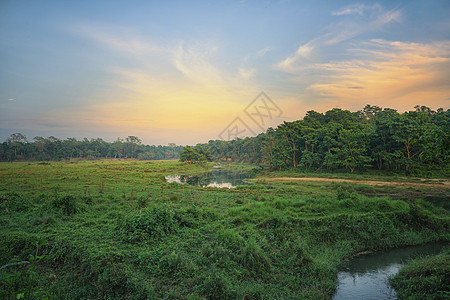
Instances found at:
x=188 y=155
x=289 y=131
x=411 y=127
x=352 y=150
x=16 y=140
x=133 y=141
x=195 y=154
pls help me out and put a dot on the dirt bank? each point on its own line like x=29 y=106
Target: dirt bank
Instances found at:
x=440 y=183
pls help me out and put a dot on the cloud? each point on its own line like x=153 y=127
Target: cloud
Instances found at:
x=388 y=73
x=358 y=9
x=261 y=53
x=11 y=99
x=246 y=74
x=341 y=31
x=347 y=30
x=193 y=63
x=116 y=38
x=190 y=97
x=355 y=9
x=304 y=51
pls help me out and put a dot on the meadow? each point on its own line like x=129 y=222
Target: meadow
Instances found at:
x=115 y=229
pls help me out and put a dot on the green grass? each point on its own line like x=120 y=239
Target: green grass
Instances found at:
x=116 y=229
x=424 y=278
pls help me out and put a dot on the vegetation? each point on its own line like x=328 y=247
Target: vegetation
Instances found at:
x=195 y=154
x=115 y=229
x=17 y=147
x=415 y=142
x=424 y=278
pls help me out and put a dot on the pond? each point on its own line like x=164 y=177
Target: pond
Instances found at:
x=366 y=276
x=215 y=178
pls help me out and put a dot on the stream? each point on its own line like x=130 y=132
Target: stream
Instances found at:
x=366 y=276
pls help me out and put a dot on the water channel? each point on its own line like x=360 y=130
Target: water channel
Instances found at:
x=367 y=276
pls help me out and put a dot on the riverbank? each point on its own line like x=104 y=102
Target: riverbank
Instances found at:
x=439 y=184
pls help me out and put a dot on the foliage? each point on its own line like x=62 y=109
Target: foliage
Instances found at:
x=20 y=279
x=424 y=278
x=13 y=202
x=150 y=224
x=68 y=204
x=372 y=138
x=17 y=147
x=195 y=154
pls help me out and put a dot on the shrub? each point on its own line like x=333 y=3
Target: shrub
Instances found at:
x=342 y=194
x=215 y=286
x=150 y=224
x=253 y=257
x=14 y=202
x=68 y=204
x=231 y=239
x=20 y=279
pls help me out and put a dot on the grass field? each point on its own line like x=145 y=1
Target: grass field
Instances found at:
x=117 y=230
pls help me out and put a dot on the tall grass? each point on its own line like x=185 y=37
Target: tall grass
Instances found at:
x=116 y=229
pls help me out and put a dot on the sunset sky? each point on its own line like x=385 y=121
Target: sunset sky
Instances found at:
x=181 y=71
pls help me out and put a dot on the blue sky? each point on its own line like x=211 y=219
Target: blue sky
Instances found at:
x=180 y=72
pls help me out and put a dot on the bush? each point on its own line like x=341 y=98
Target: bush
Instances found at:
x=151 y=224
x=20 y=279
x=254 y=258
x=14 y=202
x=247 y=253
x=68 y=204
x=215 y=286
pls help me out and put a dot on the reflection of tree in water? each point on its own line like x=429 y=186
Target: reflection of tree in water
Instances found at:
x=192 y=180
x=219 y=178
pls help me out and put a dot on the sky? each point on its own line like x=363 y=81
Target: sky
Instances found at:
x=186 y=72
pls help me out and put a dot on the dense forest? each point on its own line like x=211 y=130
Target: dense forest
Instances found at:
x=372 y=138
x=17 y=147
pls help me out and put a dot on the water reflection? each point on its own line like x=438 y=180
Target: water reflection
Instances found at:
x=366 y=277
x=216 y=178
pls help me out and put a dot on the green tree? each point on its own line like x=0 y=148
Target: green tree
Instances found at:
x=133 y=141
x=16 y=140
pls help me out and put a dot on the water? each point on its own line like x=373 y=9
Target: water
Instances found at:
x=215 y=178
x=366 y=276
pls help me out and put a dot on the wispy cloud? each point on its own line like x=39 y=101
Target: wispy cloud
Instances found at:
x=246 y=74
x=193 y=63
x=117 y=38
x=388 y=72
x=357 y=9
x=177 y=99
x=303 y=51
x=338 y=32
x=261 y=53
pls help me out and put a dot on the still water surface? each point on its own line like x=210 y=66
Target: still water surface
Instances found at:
x=366 y=276
x=216 y=178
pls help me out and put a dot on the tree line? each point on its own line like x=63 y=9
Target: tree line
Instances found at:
x=372 y=138
x=17 y=147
